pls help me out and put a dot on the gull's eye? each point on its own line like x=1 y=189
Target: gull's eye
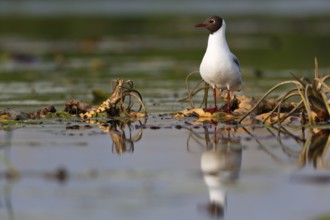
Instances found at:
x=212 y=21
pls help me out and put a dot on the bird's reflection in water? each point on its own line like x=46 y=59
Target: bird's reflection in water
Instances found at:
x=220 y=164
x=123 y=134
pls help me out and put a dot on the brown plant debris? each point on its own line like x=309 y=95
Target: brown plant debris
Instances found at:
x=303 y=100
x=240 y=105
x=123 y=101
x=43 y=112
x=313 y=103
x=11 y=114
x=76 y=107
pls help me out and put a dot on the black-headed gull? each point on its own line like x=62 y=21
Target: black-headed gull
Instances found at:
x=219 y=67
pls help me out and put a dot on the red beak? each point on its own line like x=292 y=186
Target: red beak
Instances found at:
x=200 y=25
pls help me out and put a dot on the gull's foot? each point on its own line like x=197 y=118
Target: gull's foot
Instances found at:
x=226 y=109
x=230 y=106
x=211 y=110
x=229 y=111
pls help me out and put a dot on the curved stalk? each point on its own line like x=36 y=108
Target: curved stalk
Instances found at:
x=283 y=98
x=267 y=93
x=289 y=113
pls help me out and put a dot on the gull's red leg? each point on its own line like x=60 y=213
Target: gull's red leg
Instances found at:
x=215 y=99
x=228 y=102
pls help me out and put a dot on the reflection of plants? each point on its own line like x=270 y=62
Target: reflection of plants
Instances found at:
x=121 y=142
x=11 y=172
x=5 y=146
x=315 y=149
x=278 y=137
x=312 y=149
x=124 y=101
x=312 y=99
x=314 y=146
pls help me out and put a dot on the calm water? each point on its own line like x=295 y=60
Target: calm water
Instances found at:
x=161 y=168
x=167 y=168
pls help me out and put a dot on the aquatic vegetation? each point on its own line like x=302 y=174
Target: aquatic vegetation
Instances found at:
x=312 y=105
x=12 y=117
x=76 y=107
x=200 y=86
x=236 y=104
x=123 y=101
x=303 y=100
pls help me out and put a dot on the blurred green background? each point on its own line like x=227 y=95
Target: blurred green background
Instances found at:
x=83 y=45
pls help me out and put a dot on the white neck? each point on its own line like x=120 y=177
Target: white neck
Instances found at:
x=217 y=40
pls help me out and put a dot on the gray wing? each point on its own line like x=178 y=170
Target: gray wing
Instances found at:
x=235 y=60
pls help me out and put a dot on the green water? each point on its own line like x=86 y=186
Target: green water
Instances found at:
x=259 y=42
x=76 y=54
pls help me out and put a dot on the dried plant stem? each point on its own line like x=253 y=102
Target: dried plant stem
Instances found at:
x=116 y=102
x=196 y=89
x=304 y=97
x=325 y=100
x=299 y=105
x=132 y=93
x=268 y=93
x=324 y=78
x=323 y=84
x=316 y=69
x=282 y=99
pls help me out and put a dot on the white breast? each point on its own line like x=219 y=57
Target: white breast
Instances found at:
x=218 y=67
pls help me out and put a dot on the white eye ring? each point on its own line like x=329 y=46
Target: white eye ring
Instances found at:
x=212 y=21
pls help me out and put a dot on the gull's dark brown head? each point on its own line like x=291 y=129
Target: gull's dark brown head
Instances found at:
x=212 y=23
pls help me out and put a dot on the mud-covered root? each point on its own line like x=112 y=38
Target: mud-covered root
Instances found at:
x=123 y=101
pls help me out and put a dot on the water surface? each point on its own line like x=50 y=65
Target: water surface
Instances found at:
x=161 y=167
x=167 y=168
